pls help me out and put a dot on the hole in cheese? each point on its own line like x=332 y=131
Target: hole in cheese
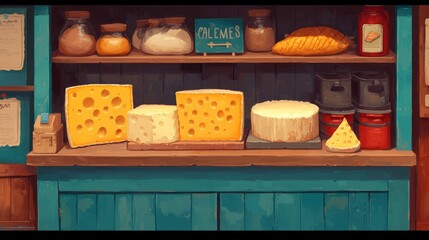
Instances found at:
x=120 y=120
x=116 y=102
x=206 y=114
x=105 y=93
x=151 y=120
x=96 y=112
x=106 y=109
x=229 y=118
x=200 y=103
x=190 y=122
x=202 y=126
x=74 y=95
x=141 y=128
x=89 y=123
x=194 y=112
x=118 y=133
x=133 y=119
x=79 y=111
x=92 y=90
x=79 y=128
x=88 y=102
x=188 y=101
x=111 y=118
x=216 y=128
x=181 y=106
x=206 y=98
x=185 y=114
x=214 y=104
x=102 y=132
x=212 y=122
x=227 y=109
x=233 y=103
x=191 y=132
x=220 y=114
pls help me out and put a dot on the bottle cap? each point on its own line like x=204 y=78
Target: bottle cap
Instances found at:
x=77 y=14
x=113 y=27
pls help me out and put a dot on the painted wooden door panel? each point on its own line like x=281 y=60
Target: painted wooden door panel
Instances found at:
x=236 y=211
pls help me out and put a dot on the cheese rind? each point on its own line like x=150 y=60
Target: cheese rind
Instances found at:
x=210 y=115
x=153 y=123
x=285 y=121
x=97 y=113
x=343 y=139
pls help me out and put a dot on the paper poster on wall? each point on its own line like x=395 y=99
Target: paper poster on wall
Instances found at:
x=12 y=41
x=10 y=122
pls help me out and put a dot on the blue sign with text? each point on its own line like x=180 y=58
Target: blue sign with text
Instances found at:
x=219 y=35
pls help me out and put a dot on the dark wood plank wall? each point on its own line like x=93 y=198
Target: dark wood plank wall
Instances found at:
x=157 y=83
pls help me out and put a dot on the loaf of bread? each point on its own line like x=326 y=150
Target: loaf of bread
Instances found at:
x=312 y=41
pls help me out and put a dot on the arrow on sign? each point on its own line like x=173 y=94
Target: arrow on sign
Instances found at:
x=211 y=44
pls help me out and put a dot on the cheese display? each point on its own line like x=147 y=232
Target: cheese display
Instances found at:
x=153 y=123
x=285 y=121
x=210 y=115
x=97 y=113
x=311 y=41
x=343 y=139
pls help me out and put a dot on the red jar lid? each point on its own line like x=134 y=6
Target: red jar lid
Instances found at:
x=155 y=22
x=77 y=14
x=113 y=27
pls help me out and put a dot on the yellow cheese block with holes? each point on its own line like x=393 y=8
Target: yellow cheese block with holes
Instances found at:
x=343 y=139
x=97 y=113
x=210 y=115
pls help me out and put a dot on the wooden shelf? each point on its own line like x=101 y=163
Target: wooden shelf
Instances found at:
x=137 y=56
x=117 y=155
x=17 y=88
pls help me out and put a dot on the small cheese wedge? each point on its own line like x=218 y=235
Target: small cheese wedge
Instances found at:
x=153 y=123
x=343 y=139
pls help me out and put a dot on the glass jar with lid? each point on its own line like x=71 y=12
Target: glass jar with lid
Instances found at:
x=153 y=28
x=77 y=37
x=260 y=31
x=141 y=26
x=174 y=38
x=113 y=40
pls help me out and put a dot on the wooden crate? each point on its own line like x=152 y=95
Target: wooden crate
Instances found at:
x=17 y=197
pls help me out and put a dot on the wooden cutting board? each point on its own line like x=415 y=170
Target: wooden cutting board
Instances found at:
x=190 y=145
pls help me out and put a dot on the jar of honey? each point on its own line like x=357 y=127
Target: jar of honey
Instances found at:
x=373 y=31
x=113 y=40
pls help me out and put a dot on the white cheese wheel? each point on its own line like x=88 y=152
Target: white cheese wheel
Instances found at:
x=153 y=123
x=285 y=121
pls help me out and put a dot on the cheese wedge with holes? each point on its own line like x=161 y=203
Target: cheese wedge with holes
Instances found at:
x=285 y=121
x=343 y=139
x=210 y=115
x=97 y=113
x=153 y=123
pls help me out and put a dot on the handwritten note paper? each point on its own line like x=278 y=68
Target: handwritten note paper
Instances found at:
x=10 y=122
x=11 y=41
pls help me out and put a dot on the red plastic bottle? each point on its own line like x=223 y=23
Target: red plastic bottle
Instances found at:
x=373 y=31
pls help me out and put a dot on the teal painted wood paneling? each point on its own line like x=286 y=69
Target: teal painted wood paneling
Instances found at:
x=259 y=211
x=17 y=154
x=86 y=211
x=358 y=211
x=47 y=203
x=42 y=60
x=68 y=205
x=105 y=211
x=173 y=211
x=144 y=212
x=399 y=205
x=267 y=179
x=123 y=212
x=378 y=210
x=404 y=66
x=336 y=211
x=231 y=211
x=14 y=77
x=288 y=211
x=312 y=211
x=204 y=211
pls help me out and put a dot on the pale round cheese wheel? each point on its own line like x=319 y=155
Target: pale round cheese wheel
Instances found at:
x=285 y=121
